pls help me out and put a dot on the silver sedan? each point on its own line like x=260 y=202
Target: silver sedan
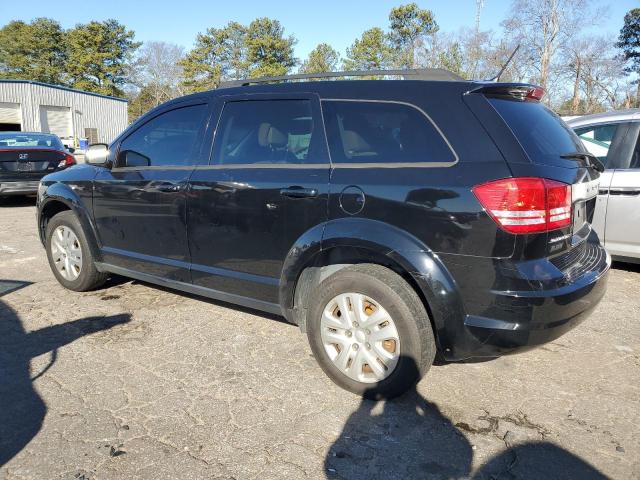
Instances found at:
x=613 y=137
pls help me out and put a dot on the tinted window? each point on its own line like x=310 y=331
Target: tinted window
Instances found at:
x=542 y=133
x=597 y=139
x=380 y=132
x=21 y=140
x=635 y=157
x=171 y=138
x=265 y=131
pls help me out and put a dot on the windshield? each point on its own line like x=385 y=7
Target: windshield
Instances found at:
x=542 y=133
x=21 y=140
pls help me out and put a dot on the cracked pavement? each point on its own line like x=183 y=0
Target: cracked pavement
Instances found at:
x=136 y=381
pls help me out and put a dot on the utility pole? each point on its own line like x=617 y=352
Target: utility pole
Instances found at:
x=479 y=5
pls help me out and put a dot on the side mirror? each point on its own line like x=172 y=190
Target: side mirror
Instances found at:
x=71 y=149
x=97 y=154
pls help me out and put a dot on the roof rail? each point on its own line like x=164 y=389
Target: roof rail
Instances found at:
x=439 y=74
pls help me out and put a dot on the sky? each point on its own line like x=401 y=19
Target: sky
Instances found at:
x=337 y=22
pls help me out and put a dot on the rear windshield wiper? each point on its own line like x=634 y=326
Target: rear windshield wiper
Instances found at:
x=592 y=160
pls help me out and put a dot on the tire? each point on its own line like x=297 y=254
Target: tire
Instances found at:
x=387 y=295
x=86 y=277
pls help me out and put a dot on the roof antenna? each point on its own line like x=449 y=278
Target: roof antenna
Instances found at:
x=504 y=67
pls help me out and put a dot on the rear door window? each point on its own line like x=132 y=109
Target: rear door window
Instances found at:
x=542 y=134
x=266 y=132
x=385 y=133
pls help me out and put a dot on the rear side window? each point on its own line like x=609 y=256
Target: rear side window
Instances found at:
x=598 y=139
x=542 y=133
x=171 y=138
x=382 y=133
x=265 y=132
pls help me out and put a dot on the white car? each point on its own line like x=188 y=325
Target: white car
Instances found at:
x=613 y=137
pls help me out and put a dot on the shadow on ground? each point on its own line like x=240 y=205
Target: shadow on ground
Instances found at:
x=626 y=266
x=21 y=408
x=410 y=438
x=18 y=201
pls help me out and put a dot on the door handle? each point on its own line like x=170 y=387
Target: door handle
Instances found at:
x=299 y=192
x=631 y=191
x=168 y=187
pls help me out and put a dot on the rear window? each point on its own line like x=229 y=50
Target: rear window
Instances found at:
x=382 y=133
x=542 y=133
x=21 y=140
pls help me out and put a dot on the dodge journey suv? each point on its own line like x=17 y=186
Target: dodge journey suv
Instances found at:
x=391 y=219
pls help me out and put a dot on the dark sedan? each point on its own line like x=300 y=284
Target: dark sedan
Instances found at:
x=27 y=157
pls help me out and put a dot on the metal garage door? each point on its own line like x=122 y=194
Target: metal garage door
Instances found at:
x=10 y=115
x=56 y=120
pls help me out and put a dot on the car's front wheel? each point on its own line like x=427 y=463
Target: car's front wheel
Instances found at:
x=370 y=332
x=69 y=255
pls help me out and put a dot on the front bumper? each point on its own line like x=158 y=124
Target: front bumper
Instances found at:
x=545 y=303
x=18 y=187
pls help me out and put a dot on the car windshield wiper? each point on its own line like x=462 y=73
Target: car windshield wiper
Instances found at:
x=593 y=160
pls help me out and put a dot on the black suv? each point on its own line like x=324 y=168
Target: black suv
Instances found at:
x=390 y=219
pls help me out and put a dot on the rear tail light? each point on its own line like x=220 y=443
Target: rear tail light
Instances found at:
x=526 y=205
x=67 y=161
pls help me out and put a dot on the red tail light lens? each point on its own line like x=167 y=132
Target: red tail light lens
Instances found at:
x=67 y=161
x=526 y=205
x=536 y=93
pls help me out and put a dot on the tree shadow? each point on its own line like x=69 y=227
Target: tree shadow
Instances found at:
x=410 y=438
x=22 y=411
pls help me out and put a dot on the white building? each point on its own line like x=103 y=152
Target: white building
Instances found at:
x=71 y=114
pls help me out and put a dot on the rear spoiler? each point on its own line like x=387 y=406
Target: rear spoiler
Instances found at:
x=516 y=91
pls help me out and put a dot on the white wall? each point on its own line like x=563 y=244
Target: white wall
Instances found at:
x=106 y=114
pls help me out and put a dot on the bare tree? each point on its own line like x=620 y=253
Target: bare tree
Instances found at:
x=544 y=27
x=158 y=70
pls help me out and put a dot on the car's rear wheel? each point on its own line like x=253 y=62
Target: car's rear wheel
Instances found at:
x=370 y=332
x=69 y=255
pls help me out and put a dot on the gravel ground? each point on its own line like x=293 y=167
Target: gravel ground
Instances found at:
x=135 y=381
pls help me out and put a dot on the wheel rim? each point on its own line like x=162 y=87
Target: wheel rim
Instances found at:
x=360 y=337
x=66 y=252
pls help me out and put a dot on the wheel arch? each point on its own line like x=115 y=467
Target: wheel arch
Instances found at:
x=349 y=241
x=59 y=198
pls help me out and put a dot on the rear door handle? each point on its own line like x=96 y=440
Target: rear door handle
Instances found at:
x=299 y=192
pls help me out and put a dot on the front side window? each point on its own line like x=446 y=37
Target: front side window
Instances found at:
x=598 y=138
x=171 y=138
x=265 y=132
x=382 y=133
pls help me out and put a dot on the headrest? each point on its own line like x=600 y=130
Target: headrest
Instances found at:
x=268 y=135
x=354 y=143
x=42 y=143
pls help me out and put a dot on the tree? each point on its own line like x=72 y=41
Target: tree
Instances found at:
x=158 y=69
x=269 y=52
x=372 y=51
x=237 y=51
x=408 y=24
x=629 y=42
x=452 y=59
x=140 y=102
x=323 y=58
x=33 y=51
x=219 y=54
x=543 y=27
x=99 y=56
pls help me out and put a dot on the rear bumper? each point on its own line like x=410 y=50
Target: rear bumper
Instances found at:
x=499 y=321
x=10 y=187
